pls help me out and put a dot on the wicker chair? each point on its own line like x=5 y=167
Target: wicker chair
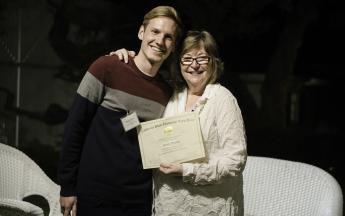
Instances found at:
x=275 y=187
x=21 y=177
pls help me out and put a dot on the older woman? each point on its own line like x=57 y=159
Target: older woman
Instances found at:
x=213 y=185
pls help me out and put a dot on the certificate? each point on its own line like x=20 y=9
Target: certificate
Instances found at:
x=173 y=139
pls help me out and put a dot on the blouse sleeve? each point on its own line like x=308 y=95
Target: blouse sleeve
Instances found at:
x=230 y=155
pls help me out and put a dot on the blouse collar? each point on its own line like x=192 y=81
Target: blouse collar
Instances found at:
x=209 y=92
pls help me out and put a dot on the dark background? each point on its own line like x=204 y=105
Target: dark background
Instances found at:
x=284 y=62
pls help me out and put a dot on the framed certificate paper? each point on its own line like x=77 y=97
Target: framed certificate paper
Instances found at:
x=174 y=139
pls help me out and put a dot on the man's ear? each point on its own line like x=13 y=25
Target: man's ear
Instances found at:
x=141 y=32
x=174 y=47
x=174 y=44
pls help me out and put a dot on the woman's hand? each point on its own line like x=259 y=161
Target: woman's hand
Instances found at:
x=169 y=168
x=123 y=54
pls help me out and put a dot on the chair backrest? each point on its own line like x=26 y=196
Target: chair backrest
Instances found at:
x=21 y=177
x=275 y=187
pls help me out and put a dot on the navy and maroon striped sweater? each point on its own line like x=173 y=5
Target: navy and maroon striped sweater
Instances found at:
x=98 y=158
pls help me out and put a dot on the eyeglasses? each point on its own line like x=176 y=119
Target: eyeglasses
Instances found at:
x=201 y=60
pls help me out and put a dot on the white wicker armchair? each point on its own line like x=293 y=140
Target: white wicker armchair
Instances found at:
x=275 y=187
x=21 y=177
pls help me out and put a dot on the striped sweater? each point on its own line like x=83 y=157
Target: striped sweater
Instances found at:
x=98 y=158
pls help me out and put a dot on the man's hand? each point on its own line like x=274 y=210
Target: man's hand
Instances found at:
x=123 y=54
x=68 y=205
x=169 y=168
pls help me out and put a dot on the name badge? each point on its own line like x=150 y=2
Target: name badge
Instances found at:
x=130 y=121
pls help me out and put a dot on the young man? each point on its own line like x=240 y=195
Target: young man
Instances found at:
x=100 y=164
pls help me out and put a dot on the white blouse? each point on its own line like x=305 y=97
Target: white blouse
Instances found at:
x=214 y=185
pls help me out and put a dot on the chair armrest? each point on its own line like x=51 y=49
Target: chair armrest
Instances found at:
x=19 y=207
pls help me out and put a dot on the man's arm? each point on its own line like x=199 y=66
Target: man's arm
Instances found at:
x=87 y=100
x=68 y=205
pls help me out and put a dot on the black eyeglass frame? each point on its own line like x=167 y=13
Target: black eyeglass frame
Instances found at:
x=201 y=58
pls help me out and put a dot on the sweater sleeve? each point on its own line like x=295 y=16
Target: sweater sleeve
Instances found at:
x=89 y=95
x=230 y=153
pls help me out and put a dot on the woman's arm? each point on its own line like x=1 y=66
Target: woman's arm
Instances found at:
x=123 y=54
x=230 y=155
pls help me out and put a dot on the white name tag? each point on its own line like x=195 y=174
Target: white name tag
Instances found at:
x=130 y=121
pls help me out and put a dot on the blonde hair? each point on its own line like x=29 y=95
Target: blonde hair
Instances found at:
x=195 y=40
x=165 y=11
